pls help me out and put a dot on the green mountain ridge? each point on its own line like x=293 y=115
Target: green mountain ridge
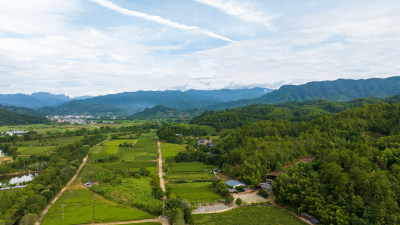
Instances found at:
x=13 y=118
x=337 y=90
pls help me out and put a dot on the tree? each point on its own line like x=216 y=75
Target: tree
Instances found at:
x=238 y=202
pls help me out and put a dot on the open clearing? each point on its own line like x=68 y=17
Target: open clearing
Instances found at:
x=270 y=215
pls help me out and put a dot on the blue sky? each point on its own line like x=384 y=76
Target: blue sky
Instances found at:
x=93 y=47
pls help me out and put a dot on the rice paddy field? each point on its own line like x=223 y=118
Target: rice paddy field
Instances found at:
x=270 y=215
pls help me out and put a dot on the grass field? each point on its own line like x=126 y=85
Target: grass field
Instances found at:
x=195 y=192
x=270 y=215
x=78 y=209
x=171 y=150
x=45 y=147
x=191 y=167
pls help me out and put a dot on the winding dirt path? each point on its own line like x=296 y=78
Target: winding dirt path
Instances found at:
x=45 y=210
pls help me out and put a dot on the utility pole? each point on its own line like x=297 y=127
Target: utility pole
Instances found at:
x=62 y=207
x=92 y=209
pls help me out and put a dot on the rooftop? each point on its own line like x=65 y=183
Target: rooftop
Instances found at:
x=234 y=183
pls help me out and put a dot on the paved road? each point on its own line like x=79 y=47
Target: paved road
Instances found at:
x=45 y=210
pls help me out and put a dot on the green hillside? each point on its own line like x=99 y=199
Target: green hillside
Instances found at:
x=12 y=118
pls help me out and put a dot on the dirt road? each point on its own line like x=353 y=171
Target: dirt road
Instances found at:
x=45 y=210
x=160 y=166
x=162 y=220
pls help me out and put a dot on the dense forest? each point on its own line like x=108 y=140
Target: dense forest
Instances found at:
x=354 y=177
x=293 y=111
x=12 y=118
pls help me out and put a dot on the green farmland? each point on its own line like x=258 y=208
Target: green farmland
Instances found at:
x=171 y=150
x=270 y=215
x=192 y=181
x=78 y=209
x=195 y=192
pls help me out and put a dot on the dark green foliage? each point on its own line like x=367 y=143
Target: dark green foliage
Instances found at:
x=354 y=177
x=229 y=199
x=176 y=210
x=293 y=111
x=263 y=193
x=173 y=133
x=239 y=188
x=238 y=202
x=163 y=112
x=12 y=118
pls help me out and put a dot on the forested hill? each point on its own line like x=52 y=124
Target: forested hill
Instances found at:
x=353 y=179
x=163 y=112
x=77 y=107
x=294 y=111
x=338 y=90
x=22 y=110
x=12 y=118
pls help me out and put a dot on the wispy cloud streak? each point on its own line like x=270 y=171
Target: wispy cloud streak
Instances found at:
x=240 y=9
x=158 y=19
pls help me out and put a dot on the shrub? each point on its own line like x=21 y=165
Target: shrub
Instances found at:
x=239 y=201
x=239 y=188
x=263 y=193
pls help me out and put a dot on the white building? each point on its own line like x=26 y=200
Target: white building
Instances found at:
x=2 y=153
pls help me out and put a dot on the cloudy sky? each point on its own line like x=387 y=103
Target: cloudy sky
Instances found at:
x=92 y=47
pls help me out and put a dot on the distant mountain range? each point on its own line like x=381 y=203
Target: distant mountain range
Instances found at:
x=35 y=100
x=178 y=102
x=133 y=102
x=338 y=90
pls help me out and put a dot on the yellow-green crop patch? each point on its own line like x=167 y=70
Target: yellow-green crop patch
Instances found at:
x=171 y=150
x=77 y=205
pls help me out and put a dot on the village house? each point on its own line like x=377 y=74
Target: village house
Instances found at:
x=207 y=143
x=15 y=132
x=267 y=185
x=2 y=154
x=310 y=218
x=234 y=183
x=91 y=183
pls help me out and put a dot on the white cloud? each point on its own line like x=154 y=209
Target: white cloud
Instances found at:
x=244 y=10
x=158 y=19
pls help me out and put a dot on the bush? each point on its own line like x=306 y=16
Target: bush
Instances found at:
x=239 y=188
x=263 y=193
x=229 y=199
x=239 y=202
